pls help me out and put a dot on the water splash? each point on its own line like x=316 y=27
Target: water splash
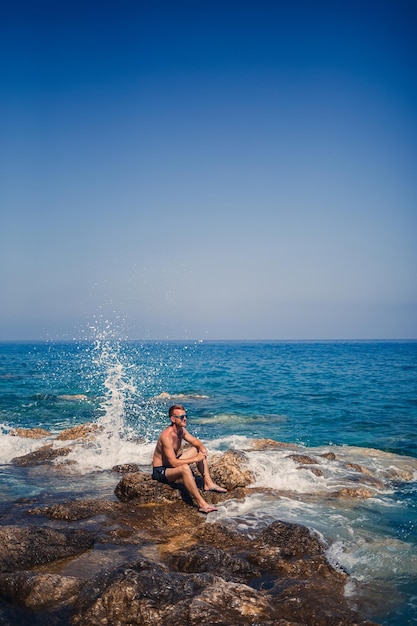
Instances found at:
x=114 y=442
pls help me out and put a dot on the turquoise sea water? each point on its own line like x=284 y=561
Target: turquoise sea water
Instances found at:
x=358 y=399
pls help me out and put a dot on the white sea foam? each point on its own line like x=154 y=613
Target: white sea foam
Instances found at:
x=12 y=446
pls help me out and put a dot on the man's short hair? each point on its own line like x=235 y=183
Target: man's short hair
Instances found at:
x=173 y=407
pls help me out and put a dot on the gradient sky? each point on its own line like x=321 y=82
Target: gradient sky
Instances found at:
x=209 y=169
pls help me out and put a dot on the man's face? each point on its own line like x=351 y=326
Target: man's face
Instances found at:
x=180 y=416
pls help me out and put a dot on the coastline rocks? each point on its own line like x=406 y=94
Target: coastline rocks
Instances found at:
x=150 y=558
x=183 y=570
x=23 y=547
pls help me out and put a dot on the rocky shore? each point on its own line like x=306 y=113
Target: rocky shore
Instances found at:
x=148 y=557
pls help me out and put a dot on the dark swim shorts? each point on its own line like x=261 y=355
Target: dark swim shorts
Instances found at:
x=158 y=473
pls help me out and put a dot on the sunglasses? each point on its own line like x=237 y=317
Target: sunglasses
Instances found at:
x=182 y=417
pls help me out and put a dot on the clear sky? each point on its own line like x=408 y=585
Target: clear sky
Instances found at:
x=209 y=169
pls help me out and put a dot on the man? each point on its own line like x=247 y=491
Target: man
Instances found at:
x=170 y=465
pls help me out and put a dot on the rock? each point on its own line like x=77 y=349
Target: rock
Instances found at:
x=210 y=559
x=76 y=509
x=30 y=433
x=39 y=591
x=358 y=468
x=303 y=458
x=292 y=540
x=23 y=547
x=403 y=475
x=83 y=431
x=44 y=455
x=269 y=444
x=146 y=594
x=314 y=470
x=126 y=468
x=330 y=456
x=75 y=397
x=349 y=492
x=314 y=603
x=141 y=487
x=231 y=471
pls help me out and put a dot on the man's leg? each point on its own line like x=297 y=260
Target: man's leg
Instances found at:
x=203 y=468
x=185 y=475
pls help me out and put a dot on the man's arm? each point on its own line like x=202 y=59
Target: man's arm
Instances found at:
x=189 y=438
x=168 y=453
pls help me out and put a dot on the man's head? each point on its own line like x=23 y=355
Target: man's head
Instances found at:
x=177 y=413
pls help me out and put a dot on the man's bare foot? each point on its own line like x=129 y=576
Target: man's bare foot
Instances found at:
x=215 y=488
x=207 y=509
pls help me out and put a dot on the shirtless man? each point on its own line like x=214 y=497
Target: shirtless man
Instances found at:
x=170 y=465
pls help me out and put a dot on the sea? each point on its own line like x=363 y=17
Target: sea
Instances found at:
x=355 y=399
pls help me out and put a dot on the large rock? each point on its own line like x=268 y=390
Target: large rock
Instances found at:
x=231 y=470
x=149 y=595
x=39 y=591
x=23 y=547
x=141 y=487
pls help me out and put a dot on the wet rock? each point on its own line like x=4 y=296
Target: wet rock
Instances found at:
x=145 y=594
x=75 y=397
x=403 y=475
x=30 y=433
x=231 y=470
x=269 y=444
x=83 y=431
x=330 y=456
x=22 y=547
x=45 y=455
x=126 y=468
x=76 y=509
x=140 y=486
x=358 y=468
x=303 y=458
x=291 y=539
x=349 y=492
x=314 y=470
x=210 y=559
x=314 y=603
x=39 y=591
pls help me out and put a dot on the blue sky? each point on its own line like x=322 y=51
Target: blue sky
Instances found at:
x=209 y=170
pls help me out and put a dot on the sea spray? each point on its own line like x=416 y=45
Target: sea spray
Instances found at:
x=113 y=442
